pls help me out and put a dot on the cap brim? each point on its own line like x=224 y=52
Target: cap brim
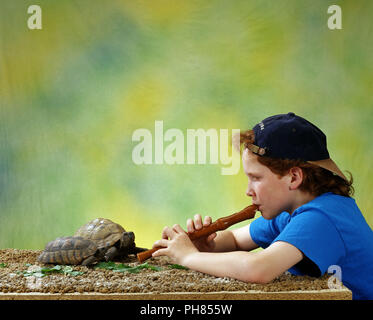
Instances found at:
x=330 y=165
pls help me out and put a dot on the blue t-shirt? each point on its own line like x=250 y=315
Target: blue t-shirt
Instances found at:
x=329 y=230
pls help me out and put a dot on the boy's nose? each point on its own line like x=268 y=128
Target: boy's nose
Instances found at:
x=249 y=191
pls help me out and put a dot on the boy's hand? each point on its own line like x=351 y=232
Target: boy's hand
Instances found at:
x=204 y=243
x=175 y=244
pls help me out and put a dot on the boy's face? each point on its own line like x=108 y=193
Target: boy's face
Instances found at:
x=268 y=191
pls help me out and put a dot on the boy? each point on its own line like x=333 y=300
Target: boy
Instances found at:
x=309 y=221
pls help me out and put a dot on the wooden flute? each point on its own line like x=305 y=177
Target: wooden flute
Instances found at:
x=220 y=224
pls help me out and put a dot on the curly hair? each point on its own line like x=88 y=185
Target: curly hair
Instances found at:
x=316 y=180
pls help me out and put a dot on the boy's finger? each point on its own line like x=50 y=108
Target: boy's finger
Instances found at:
x=178 y=229
x=211 y=237
x=160 y=252
x=190 y=225
x=167 y=233
x=161 y=243
x=207 y=221
x=198 y=221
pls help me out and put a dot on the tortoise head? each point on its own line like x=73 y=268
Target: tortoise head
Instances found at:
x=127 y=239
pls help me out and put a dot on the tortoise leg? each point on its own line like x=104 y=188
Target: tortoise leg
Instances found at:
x=89 y=260
x=111 y=253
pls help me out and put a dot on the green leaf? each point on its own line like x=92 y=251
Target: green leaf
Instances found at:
x=67 y=269
x=58 y=267
x=120 y=267
x=3 y=265
x=105 y=265
x=45 y=271
x=39 y=274
x=131 y=270
x=177 y=266
x=76 y=273
x=151 y=267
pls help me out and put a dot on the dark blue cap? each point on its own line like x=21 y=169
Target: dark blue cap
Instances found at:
x=288 y=136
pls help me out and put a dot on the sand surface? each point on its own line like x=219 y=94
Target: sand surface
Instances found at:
x=15 y=265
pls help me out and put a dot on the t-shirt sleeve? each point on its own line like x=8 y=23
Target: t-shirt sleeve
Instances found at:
x=313 y=234
x=262 y=232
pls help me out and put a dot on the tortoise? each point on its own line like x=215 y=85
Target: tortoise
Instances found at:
x=109 y=237
x=71 y=250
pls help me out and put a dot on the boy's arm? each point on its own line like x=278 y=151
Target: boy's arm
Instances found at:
x=257 y=267
x=243 y=239
x=234 y=240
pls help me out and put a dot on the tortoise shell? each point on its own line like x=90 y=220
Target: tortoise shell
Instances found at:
x=105 y=233
x=68 y=250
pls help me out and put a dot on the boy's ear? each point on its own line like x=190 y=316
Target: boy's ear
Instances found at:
x=296 y=178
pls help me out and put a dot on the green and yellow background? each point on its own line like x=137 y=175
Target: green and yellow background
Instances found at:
x=72 y=94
